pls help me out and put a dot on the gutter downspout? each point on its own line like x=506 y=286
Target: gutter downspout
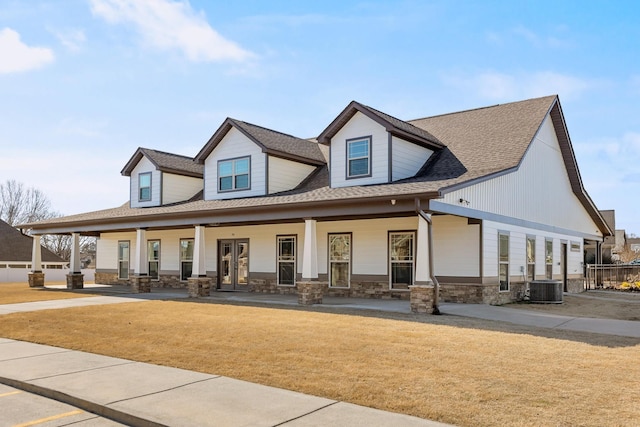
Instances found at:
x=436 y=285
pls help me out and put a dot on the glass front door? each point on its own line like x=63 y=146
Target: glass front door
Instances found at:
x=233 y=260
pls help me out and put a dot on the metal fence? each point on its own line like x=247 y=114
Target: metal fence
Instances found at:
x=603 y=276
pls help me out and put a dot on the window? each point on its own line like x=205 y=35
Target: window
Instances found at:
x=339 y=260
x=503 y=261
x=123 y=260
x=144 y=187
x=531 y=258
x=186 y=258
x=401 y=260
x=548 y=258
x=153 y=255
x=234 y=174
x=287 y=260
x=359 y=157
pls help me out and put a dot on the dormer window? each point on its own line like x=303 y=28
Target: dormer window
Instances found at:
x=359 y=157
x=233 y=174
x=144 y=187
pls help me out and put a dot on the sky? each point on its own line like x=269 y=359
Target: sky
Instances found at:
x=84 y=83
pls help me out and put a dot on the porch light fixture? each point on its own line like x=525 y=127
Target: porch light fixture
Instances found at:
x=393 y=202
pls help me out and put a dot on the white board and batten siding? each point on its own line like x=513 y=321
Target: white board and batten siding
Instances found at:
x=539 y=191
x=456 y=247
x=518 y=255
x=407 y=158
x=234 y=145
x=286 y=174
x=178 y=188
x=360 y=126
x=143 y=166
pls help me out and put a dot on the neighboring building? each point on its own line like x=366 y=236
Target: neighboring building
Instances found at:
x=634 y=244
x=16 y=252
x=495 y=193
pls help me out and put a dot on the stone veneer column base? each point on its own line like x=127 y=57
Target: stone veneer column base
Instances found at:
x=75 y=281
x=421 y=299
x=311 y=292
x=140 y=284
x=199 y=286
x=36 y=280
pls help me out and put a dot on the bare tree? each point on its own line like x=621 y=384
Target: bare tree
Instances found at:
x=627 y=255
x=60 y=244
x=21 y=205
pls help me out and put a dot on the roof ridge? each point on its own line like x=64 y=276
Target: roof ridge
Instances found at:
x=167 y=153
x=478 y=108
x=268 y=129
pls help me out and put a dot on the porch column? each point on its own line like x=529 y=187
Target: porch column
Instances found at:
x=423 y=274
x=310 y=252
x=140 y=281
x=75 y=278
x=141 y=266
x=310 y=290
x=424 y=292
x=36 y=276
x=199 y=284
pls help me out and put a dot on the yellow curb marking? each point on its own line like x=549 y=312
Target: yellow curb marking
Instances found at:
x=51 y=418
x=11 y=393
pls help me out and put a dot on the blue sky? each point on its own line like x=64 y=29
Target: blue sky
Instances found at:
x=83 y=83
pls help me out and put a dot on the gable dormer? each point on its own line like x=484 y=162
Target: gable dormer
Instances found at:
x=368 y=146
x=243 y=160
x=158 y=178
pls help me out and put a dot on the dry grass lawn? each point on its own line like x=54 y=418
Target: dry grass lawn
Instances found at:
x=461 y=371
x=13 y=293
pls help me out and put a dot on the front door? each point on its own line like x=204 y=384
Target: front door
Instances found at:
x=233 y=268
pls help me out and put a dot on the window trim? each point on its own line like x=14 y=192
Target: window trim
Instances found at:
x=233 y=174
x=507 y=262
x=149 y=260
x=140 y=198
x=180 y=260
x=295 y=258
x=532 y=238
x=128 y=261
x=548 y=264
x=369 y=140
x=413 y=255
x=349 y=262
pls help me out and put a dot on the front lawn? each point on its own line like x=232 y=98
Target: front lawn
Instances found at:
x=12 y=293
x=461 y=371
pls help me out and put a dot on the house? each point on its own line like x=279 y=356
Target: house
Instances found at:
x=476 y=203
x=16 y=255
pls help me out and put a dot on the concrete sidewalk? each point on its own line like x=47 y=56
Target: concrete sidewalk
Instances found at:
x=141 y=394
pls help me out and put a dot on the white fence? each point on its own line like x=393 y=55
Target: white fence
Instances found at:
x=50 y=275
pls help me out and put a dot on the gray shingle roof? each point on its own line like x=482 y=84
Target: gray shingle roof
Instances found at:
x=479 y=143
x=273 y=142
x=166 y=162
x=16 y=247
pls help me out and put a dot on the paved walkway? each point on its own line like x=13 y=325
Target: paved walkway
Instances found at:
x=135 y=393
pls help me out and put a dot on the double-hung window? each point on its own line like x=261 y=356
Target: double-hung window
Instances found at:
x=123 y=259
x=359 y=157
x=153 y=255
x=287 y=260
x=548 y=258
x=531 y=258
x=401 y=259
x=339 y=260
x=144 y=187
x=503 y=261
x=233 y=174
x=186 y=258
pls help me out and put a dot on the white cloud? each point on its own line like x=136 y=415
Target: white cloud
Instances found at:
x=167 y=24
x=496 y=86
x=17 y=56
